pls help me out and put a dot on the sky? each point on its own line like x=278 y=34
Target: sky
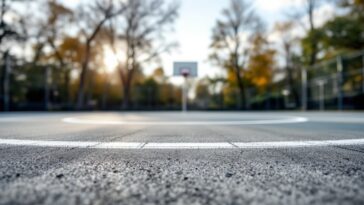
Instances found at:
x=197 y=19
x=193 y=29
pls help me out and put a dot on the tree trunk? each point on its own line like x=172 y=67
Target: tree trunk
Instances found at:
x=126 y=99
x=83 y=75
x=47 y=88
x=6 y=82
x=2 y=80
x=130 y=69
x=241 y=89
x=291 y=86
x=126 y=89
x=81 y=91
x=289 y=73
x=105 y=94
x=241 y=86
x=90 y=91
x=289 y=78
x=67 y=82
x=314 y=48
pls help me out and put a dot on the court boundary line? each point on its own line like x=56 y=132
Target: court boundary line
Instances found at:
x=179 y=145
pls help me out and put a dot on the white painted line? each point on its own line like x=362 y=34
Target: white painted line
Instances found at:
x=252 y=145
x=182 y=145
x=189 y=123
x=43 y=143
x=119 y=145
x=299 y=143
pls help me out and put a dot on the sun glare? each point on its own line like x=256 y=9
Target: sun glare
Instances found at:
x=110 y=60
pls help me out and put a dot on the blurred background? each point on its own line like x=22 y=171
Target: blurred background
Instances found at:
x=59 y=55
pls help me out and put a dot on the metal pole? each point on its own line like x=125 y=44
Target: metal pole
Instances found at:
x=322 y=95
x=340 y=68
x=304 y=89
x=184 y=95
x=335 y=86
x=6 y=82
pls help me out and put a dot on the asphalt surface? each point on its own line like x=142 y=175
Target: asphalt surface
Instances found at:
x=75 y=175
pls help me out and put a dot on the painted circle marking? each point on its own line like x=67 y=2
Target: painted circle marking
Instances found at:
x=181 y=145
x=289 y=120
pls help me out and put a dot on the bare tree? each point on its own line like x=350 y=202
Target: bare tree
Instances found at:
x=44 y=31
x=288 y=41
x=229 y=40
x=58 y=17
x=49 y=32
x=14 y=29
x=140 y=32
x=8 y=31
x=92 y=18
x=309 y=8
x=4 y=27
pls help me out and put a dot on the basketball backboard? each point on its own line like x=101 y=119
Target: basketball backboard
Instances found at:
x=186 y=69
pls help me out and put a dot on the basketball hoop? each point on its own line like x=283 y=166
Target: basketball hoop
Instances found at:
x=187 y=70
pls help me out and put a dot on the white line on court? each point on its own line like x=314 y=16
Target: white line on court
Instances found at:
x=240 y=122
x=191 y=145
x=186 y=146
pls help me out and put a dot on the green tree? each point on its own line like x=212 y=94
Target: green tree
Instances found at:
x=345 y=32
x=310 y=46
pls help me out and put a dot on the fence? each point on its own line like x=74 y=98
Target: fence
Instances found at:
x=336 y=84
